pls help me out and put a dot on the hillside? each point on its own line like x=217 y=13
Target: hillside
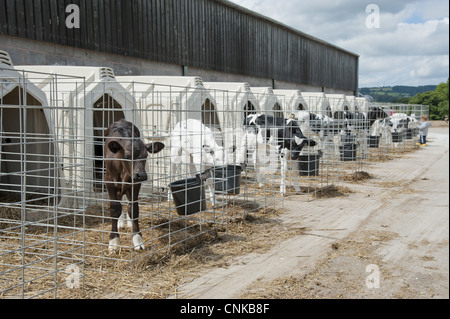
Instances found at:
x=394 y=93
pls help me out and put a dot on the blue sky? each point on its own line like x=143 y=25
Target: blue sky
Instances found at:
x=410 y=46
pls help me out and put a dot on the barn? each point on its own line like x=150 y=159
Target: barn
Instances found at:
x=215 y=39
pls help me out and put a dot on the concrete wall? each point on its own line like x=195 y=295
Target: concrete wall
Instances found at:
x=31 y=52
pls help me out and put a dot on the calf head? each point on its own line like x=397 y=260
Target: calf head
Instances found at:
x=133 y=154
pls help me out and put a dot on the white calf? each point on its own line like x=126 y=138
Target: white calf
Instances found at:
x=192 y=139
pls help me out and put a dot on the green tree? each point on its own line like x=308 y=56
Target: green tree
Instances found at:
x=437 y=100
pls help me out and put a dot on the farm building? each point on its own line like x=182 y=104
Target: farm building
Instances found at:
x=170 y=37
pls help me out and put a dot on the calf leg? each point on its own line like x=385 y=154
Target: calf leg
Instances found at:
x=210 y=188
x=293 y=167
x=133 y=212
x=284 y=167
x=115 y=212
x=173 y=172
x=124 y=219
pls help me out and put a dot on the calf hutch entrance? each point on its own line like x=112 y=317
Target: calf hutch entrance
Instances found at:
x=106 y=111
x=235 y=101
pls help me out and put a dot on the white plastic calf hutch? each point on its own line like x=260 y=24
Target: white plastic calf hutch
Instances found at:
x=164 y=101
x=235 y=101
x=364 y=104
x=268 y=101
x=338 y=102
x=292 y=101
x=35 y=158
x=354 y=104
x=318 y=103
x=24 y=114
x=104 y=101
x=37 y=227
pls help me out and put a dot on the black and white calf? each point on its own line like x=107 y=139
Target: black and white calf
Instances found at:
x=344 y=125
x=397 y=123
x=280 y=134
x=317 y=124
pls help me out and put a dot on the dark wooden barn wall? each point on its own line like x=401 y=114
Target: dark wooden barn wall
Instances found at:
x=210 y=34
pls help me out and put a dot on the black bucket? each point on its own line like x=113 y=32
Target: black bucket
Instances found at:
x=308 y=165
x=409 y=134
x=397 y=137
x=227 y=179
x=188 y=196
x=348 y=152
x=347 y=139
x=374 y=141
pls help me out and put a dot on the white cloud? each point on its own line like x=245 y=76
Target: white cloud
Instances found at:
x=411 y=47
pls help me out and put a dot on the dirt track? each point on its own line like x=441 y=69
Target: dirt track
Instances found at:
x=396 y=223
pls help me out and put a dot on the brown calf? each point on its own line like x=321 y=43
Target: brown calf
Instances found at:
x=125 y=159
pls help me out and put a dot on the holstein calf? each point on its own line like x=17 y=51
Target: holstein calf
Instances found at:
x=398 y=123
x=125 y=159
x=320 y=125
x=359 y=125
x=283 y=134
